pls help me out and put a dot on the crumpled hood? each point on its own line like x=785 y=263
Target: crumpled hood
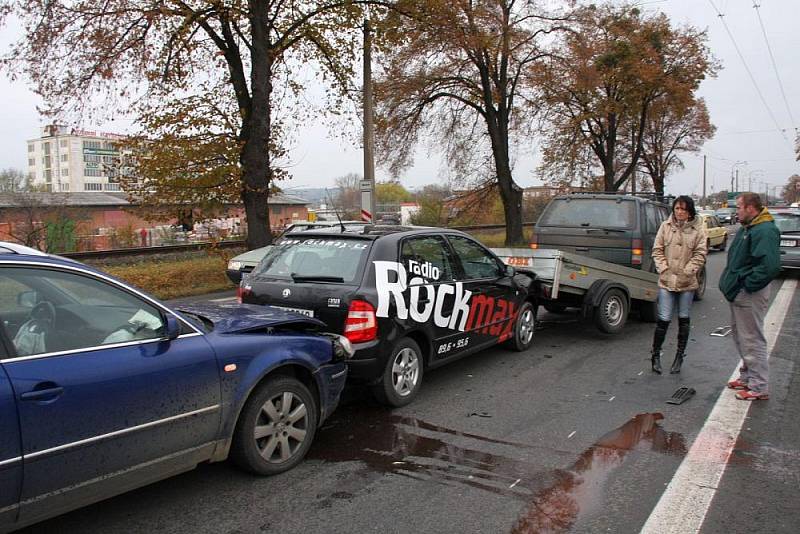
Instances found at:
x=231 y=318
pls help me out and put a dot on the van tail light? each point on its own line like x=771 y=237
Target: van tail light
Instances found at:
x=361 y=324
x=243 y=292
x=534 y=241
x=637 y=249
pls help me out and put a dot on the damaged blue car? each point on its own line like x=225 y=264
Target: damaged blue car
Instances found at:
x=104 y=389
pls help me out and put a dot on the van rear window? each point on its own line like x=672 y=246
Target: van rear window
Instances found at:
x=314 y=257
x=589 y=212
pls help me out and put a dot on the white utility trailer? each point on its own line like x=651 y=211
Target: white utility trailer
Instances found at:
x=603 y=291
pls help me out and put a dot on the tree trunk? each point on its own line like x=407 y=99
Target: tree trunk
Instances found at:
x=510 y=192
x=256 y=130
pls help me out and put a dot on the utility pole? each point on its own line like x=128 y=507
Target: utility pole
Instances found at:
x=368 y=183
x=704 y=181
x=737 y=179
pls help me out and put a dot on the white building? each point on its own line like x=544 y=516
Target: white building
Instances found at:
x=72 y=160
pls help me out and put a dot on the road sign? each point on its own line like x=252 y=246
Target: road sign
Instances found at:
x=365 y=185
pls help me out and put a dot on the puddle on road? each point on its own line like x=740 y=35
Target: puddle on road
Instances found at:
x=580 y=488
x=407 y=446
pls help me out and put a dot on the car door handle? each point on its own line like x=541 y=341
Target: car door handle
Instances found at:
x=48 y=392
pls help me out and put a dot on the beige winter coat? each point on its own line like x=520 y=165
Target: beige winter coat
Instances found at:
x=679 y=253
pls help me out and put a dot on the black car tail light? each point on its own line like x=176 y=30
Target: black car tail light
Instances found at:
x=534 y=241
x=361 y=324
x=242 y=293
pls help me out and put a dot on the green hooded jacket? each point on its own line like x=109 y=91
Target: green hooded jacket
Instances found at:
x=753 y=258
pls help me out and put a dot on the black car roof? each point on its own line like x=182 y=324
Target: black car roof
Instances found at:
x=374 y=231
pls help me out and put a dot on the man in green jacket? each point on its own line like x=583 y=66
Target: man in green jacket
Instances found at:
x=753 y=261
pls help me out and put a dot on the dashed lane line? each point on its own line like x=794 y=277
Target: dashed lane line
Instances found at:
x=684 y=504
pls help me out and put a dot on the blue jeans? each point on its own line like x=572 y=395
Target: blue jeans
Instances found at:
x=667 y=300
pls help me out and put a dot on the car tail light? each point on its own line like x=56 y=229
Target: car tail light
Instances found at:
x=636 y=251
x=534 y=241
x=243 y=292
x=360 y=325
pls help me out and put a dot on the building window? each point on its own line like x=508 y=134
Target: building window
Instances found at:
x=48 y=175
x=64 y=157
x=31 y=147
x=96 y=173
x=63 y=142
x=31 y=162
x=64 y=187
x=92 y=144
x=112 y=187
x=46 y=147
x=64 y=172
x=91 y=186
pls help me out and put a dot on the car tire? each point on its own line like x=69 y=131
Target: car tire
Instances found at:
x=524 y=329
x=554 y=307
x=402 y=376
x=700 y=292
x=708 y=244
x=270 y=438
x=612 y=311
x=724 y=244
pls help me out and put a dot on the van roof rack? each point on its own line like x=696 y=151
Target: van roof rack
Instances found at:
x=648 y=195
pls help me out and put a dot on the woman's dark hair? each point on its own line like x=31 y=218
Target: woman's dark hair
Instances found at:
x=688 y=202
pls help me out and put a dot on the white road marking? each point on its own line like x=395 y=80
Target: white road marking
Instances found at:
x=571 y=434
x=515 y=483
x=226 y=299
x=612 y=398
x=685 y=502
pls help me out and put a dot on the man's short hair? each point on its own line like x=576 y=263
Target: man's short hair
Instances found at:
x=752 y=199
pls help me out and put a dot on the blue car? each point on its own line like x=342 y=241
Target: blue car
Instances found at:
x=104 y=389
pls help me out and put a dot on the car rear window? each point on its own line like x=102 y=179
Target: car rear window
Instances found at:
x=787 y=223
x=314 y=256
x=589 y=212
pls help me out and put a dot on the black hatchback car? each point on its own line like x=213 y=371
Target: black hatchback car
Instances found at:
x=408 y=298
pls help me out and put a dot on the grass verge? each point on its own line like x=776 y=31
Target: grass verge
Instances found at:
x=169 y=279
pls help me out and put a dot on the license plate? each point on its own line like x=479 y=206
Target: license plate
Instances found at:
x=788 y=243
x=307 y=313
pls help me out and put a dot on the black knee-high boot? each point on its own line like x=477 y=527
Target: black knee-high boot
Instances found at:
x=683 y=339
x=658 y=340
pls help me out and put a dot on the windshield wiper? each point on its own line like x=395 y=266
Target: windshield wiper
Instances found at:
x=315 y=278
x=605 y=230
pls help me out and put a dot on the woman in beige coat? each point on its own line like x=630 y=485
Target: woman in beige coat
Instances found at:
x=679 y=253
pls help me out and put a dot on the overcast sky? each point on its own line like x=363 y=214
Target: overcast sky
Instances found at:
x=753 y=121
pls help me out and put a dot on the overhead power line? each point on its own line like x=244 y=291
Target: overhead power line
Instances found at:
x=746 y=68
x=774 y=66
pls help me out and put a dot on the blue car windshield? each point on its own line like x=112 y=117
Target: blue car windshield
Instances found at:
x=314 y=257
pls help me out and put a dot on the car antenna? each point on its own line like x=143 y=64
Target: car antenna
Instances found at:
x=335 y=209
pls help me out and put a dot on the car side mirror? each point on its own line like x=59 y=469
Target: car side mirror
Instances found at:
x=510 y=271
x=172 y=328
x=27 y=299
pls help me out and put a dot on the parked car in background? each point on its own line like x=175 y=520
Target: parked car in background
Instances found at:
x=408 y=298
x=727 y=215
x=104 y=389
x=717 y=233
x=789 y=225
x=246 y=261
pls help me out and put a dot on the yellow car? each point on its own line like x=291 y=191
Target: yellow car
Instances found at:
x=717 y=234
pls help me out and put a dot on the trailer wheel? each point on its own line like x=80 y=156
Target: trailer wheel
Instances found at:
x=612 y=311
x=701 y=288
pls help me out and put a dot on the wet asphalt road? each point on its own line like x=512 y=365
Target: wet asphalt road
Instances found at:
x=572 y=435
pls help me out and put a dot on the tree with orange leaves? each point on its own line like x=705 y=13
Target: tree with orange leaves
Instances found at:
x=85 y=56
x=455 y=71
x=603 y=83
